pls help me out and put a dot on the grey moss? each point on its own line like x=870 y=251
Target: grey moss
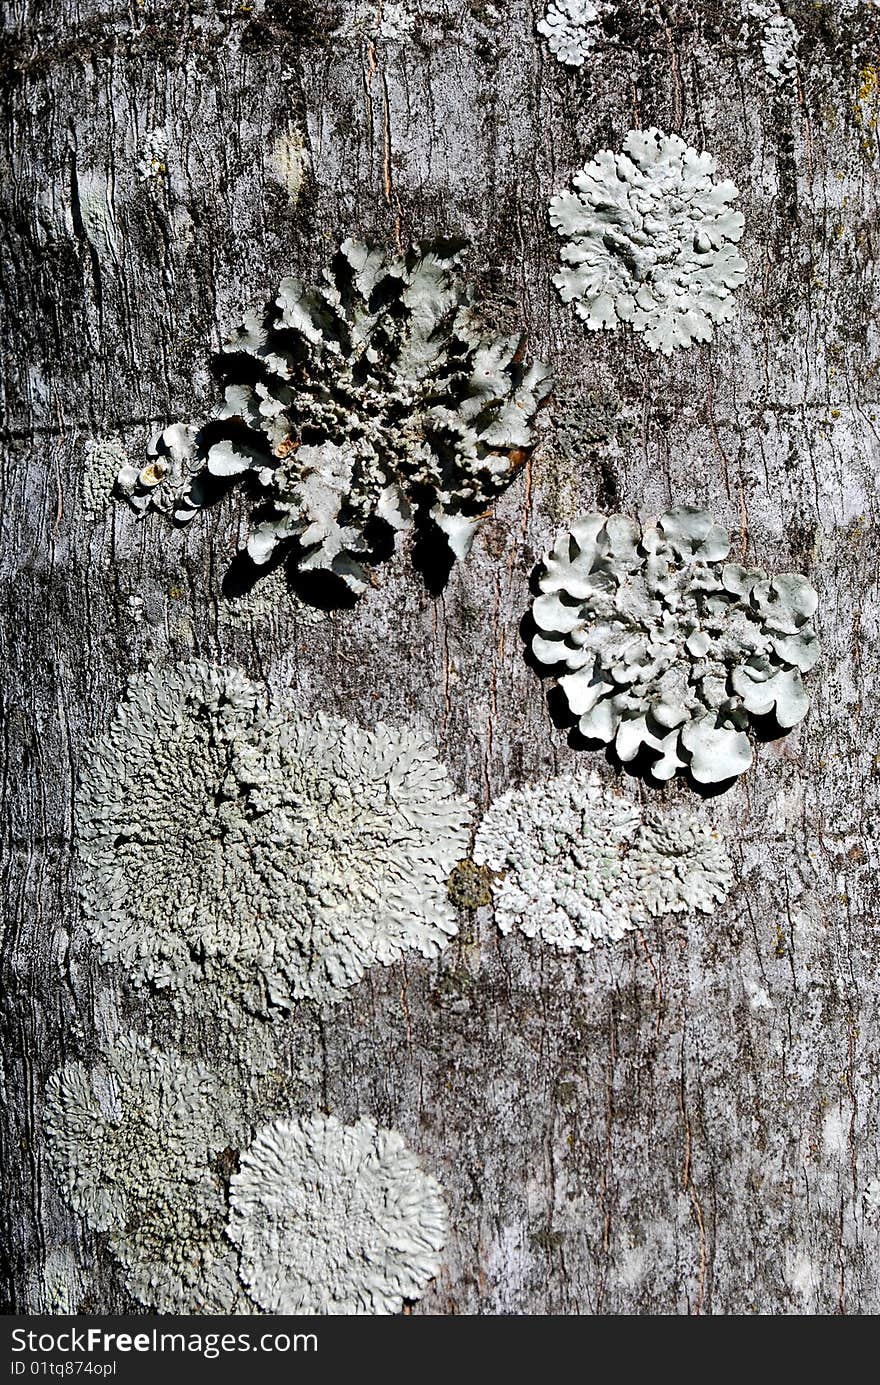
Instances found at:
x=335 y=1219
x=360 y=407
x=276 y=857
x=668 y=648
x=134 y=1142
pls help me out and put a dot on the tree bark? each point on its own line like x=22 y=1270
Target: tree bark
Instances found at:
x=685 y=1121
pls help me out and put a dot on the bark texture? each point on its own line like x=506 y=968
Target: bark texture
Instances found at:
x=686 y=1121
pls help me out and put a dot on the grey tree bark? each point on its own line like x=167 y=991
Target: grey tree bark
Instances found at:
x=685 y=1122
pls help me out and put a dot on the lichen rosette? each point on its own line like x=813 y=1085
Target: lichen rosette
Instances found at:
x=649 y=238
x=360 y=407
x=664 y=646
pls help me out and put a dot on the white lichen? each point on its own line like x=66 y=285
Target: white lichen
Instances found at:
x=102 y=461
x=134 y=1142
x=572 y=28
x=360 y=407
x=667 y=646
x=575 y=862
x=153 y=156
x=388 y=20
x=335 y=1219
x=779 y=39
x=272 y=855
x=288 y=163
x=650 y=240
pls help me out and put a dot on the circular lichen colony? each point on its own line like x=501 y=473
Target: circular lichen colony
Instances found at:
x=133 y=1142
x=575 y=862
x=359 y=407
x=649 y=238
x=668 y=648
x=335 y=1219
x=275 y=856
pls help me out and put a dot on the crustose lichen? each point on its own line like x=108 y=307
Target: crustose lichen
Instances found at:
x=276 y=856
x=134 y=1142
x=335 y=1219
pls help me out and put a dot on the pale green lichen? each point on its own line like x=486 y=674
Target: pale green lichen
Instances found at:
x=134 y=1142
x=666 y=647
x=649 y=238
x=272 y=855
x=576 y=861
x=335 y=1219
x=363 y=407
x=103 y=459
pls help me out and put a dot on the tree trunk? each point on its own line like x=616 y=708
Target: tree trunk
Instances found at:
x=685 y=1121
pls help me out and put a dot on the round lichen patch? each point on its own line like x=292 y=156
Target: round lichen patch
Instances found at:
x=134 y=1142
x=335 y=1219
x=663 y=646
x=276 y=857
x=576 y=862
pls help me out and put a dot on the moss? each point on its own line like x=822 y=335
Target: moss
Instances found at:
x=470 y=886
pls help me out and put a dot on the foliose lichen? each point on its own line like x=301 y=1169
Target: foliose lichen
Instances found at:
x=778 y=39
x=359 y=407
x=667 y=646
x=649 y=239
x=272 y=855
x=572 y=28
x=575 y=862
x=390 y=20
x=134 y=1142
x=335 y=1219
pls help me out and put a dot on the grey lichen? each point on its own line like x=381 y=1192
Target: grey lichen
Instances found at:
x=102 y=461
x=273 y=597
x=572 y=28
x=667 y=646
x=275 y=856
x=335 y=1219
x=577 y=862
x=649 y=239
x=134 y=1143
x=360 y=407
x=388 y=20
x=778 y=39
x=153 y=156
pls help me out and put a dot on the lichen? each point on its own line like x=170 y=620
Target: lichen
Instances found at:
x=103 y=459
x=572 y=28
x=778 y=39
x=649 y=239
x=360 y=407
x=576 y=862
x=266 y=600
x=335 y=1219
x=389 y=20
x=667 y=646
x=153 y=156
x=289 y=162
x=271 y=855
x=134 y=1142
